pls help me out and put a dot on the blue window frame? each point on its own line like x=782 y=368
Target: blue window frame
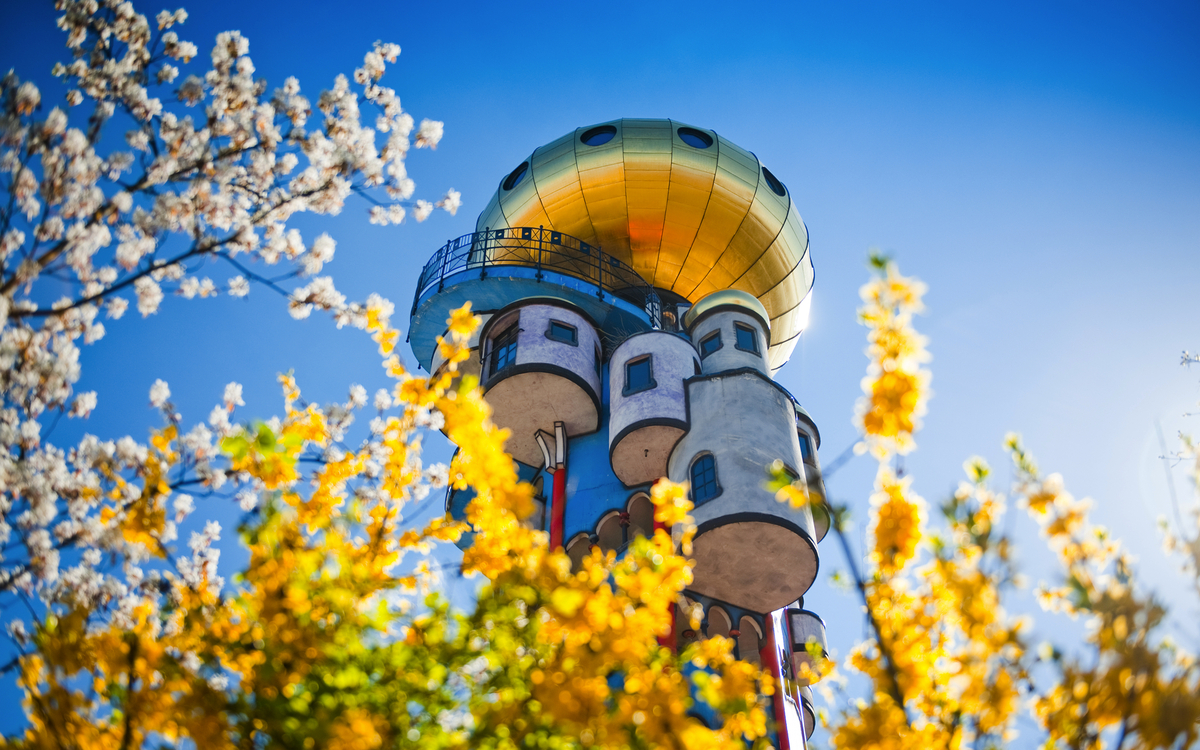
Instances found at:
x=806 y=451
x=639 y=375
x=747 y=339
x=710 y=344
x=704 y=479
x=504 y=349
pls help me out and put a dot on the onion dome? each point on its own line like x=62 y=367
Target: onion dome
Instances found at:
x=688 y=210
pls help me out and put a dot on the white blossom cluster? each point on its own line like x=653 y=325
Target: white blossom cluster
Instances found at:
x=210 y=171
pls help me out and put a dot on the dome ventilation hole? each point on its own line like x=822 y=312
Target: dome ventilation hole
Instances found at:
x=773 y=182
x=514 y=178
x=695 y=138
x=598 y=136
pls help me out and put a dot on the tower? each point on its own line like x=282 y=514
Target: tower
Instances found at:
x=640 y=282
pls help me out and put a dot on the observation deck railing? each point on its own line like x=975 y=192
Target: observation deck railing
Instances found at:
x=543 y=250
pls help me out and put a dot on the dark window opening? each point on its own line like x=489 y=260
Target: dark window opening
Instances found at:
x=560 y=331
x=638 y=376
x=774 y=183
x=806 y=451
x=504 y=349
x=514 y=178
x=695 y=138
x=704 y=479
x=598 y=136
x=747 y=340
x=710 y=344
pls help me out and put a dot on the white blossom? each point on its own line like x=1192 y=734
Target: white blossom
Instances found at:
x=238 y=286
x=233 y=396
x=451 y=201
x=429 y=134
x=383 y=399
x=159 y=393
x=149 y=295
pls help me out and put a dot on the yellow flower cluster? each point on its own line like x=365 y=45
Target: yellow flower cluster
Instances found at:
x=896 y=386
x=324 y=642
x=947 y=665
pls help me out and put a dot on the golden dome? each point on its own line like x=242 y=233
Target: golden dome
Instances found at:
x=690 y=211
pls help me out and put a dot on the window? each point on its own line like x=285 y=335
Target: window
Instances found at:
x=695 y=138
x=806 y=451
x=773 y=182
x=710 y=344
x=514 y=178
x=704 y=479
x=598 y=136
x=560 y=331
x=639 y=376
x=504 y=349
x=747 y=339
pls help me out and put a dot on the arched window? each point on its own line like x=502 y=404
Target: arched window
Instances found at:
x=704 y=479
x=609 y=532
x=641 y=516
x=718 y=622
x=577 y=549
x=684 y=634
x=749 y=638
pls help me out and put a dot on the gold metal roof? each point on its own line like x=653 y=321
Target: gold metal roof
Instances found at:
x=690 y=220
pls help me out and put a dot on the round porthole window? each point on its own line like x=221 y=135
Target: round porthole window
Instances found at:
x=774 y=183
x=695 y=138
x=514 y=178
x=598 y=136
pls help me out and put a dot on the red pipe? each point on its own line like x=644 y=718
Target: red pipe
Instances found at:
x=769 y=654
x=558 y=506
x=668 y=640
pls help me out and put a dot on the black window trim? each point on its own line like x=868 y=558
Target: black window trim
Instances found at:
x=744 y=327
x=811 y=458
x=515 y=330
x=574 y=338
x=651 y=383
x=692 y=478
x=720 y=344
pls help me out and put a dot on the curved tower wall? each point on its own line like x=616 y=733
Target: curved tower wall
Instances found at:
x=647 y=419
x=750 y=549
x=723 y=326
x=533 y=375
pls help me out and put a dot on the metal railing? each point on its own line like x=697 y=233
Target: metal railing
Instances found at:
x=542 y=250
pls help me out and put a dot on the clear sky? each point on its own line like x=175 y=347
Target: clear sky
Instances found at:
x=1038 y=164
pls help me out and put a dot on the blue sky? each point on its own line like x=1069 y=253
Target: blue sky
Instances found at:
x=1038 y=164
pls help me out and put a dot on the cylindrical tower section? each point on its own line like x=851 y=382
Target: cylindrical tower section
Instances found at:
x=730 y=330
x=540 y=364
x=647 y=409
x=750 y=550
x=810 y=441
x=806 y=627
